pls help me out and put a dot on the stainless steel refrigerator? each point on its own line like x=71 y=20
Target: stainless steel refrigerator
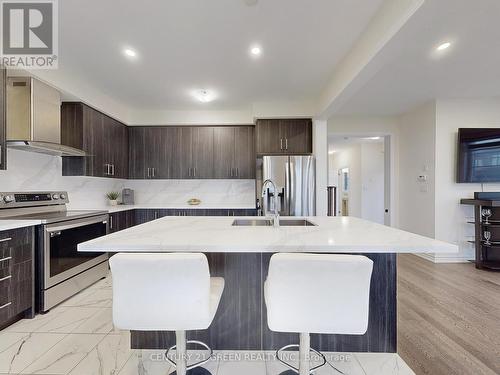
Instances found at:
x=295 y=179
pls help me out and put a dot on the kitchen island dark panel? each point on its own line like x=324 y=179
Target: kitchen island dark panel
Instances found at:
x=240 y=322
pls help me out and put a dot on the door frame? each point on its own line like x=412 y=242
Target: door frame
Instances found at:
x=390 y=170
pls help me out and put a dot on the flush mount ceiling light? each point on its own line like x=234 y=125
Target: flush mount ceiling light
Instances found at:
x=129 y=52
x=204 y=96
x=251 y=3
x=443 y=46
x=255 y=51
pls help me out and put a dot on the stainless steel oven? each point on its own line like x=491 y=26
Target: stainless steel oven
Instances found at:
x=60 y=270
x=64 y=271
x=61 y=258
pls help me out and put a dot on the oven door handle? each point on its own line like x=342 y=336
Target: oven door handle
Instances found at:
x=75 y=224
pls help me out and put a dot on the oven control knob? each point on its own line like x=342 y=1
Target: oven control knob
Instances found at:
x=8 y=199
x=62 y=196
x=55 y=196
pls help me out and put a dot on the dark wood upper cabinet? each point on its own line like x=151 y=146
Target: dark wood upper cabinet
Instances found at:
x=192 y=152
x=202 y=140
x=234 y=152
x=284 y=136
x=3 y=118
x=224 y=152
x=104 y=139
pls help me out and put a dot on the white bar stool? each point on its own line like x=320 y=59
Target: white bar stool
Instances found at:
x=166 y=292
x=317 y=293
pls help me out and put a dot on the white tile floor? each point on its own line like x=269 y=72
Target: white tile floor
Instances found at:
x=78 y=338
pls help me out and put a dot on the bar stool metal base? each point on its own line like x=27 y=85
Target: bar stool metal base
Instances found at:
x=181 y=350
x=294 y=370
x=195 y=371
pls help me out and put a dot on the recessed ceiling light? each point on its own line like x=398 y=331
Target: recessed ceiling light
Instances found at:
x=203 y=95
x=129 y=52
x=443 y=46
x=256 y=51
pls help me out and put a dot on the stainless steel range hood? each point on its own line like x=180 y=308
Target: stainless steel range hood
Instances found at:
x=34 y=118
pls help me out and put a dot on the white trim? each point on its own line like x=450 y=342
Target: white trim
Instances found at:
x=445 y=258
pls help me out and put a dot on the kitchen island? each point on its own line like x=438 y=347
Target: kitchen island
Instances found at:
x=241 y=255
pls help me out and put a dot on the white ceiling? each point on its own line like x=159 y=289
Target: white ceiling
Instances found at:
x=411 y=73
x=190 y=44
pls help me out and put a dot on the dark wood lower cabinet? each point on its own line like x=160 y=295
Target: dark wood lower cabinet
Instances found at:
x=144 y=215
x=126 y=219
x=121 y=220
x=16 y=275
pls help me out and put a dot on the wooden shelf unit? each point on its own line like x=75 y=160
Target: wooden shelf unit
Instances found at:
x=487 y=256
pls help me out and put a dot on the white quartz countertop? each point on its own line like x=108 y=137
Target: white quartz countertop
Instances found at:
x=216 y=234
x=13 y=224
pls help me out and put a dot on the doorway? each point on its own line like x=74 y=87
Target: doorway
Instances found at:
x=359 y=168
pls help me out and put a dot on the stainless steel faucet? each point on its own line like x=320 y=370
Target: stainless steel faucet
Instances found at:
x=276 y=214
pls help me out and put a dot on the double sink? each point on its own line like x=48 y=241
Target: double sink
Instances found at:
x=269 y=223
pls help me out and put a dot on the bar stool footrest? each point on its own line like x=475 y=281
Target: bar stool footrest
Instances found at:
x=194 y=366
x=295 y=368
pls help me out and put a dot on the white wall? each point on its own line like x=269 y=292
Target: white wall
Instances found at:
x=451 y=216
x=349 y=156
x=372 y=181
x=36 y=172
x=375 y=126
x=417 y=145
x=365 y=161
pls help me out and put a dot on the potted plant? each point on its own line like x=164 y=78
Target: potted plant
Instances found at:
x=113 y=197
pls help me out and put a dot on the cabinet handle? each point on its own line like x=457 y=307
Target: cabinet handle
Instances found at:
x=112 y=169
x=5 y=278
x=5 y=259
x=4 y=306
x=154 y=172
x=286 y=143
x=111 y=222
x=1 y=154
x=149 y=173
x=281 y=143
x=6 y=239
x=189 y=172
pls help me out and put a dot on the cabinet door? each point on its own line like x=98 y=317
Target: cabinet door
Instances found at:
x=152 y=145
x=203 y=152
x=3 y=122
x=297 y=135
x=269 y=139
x=172 y=151
x=136 y=153
x=118 y=148
x=123 y=151
x=224 y=152
x=186 y=153
x=244 y=156
x=96 y=139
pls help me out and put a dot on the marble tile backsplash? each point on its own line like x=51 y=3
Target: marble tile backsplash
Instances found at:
x=36 y=172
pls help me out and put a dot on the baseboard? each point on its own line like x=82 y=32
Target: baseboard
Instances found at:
x=445 y=258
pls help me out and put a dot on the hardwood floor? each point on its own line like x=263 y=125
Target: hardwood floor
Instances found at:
x=448 y=318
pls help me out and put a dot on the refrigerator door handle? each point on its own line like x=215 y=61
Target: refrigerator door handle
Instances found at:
x=287 y=209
